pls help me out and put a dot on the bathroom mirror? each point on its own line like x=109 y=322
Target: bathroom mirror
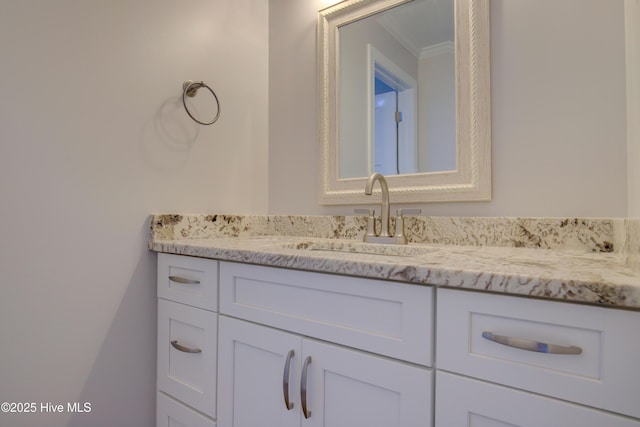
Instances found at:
x=437 y=145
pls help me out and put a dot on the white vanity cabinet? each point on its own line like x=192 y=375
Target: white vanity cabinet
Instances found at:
x=508 y=361
x=187 y=341
x=243 y=345
x=308 y=349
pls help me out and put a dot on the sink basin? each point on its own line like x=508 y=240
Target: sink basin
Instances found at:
x=362 y=248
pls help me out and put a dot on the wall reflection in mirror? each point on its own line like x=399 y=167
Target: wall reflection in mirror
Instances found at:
x=396 y=84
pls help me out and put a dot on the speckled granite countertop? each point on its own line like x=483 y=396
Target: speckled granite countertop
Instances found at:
x=575 y=275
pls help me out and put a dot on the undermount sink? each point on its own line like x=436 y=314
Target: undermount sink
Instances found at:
x=362 y=248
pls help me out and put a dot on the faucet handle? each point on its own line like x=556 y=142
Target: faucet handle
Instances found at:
x=400 y=237
x=400 y=212
x=371 y=222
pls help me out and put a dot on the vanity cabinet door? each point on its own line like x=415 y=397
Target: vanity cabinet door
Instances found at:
x=328 y=385
x=252 y=375
x=350 y=388
x=466 y=402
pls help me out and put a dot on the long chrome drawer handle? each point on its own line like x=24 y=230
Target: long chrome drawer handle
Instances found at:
x=303 y=387
x=530 y=345
x=184 y=281
x=184 y=349
x=285 y=380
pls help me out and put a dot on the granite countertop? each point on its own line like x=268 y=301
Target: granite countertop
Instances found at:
x=601 y=278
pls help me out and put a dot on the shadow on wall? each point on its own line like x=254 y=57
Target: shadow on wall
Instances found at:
x=167 y=137
x=129 y=347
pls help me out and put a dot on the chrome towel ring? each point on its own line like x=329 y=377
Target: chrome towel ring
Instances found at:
x=190 y=89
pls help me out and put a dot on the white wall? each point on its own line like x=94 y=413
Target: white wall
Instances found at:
x=93 y=138
x=558 y=107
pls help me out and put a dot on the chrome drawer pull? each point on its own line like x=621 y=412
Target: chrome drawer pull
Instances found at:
x=285 y=380
x=303 y=387
x=184 y=349
x=184 y=281
x=531 y=345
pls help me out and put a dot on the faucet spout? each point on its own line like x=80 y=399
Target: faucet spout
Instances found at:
x=368 y=190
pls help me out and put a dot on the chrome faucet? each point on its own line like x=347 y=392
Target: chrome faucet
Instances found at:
x=368 y=190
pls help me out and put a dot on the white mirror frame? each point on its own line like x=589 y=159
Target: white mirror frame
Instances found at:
x=472 y=179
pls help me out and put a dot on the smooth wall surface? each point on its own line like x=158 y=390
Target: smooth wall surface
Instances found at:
x=93 y=138
x=558 y=107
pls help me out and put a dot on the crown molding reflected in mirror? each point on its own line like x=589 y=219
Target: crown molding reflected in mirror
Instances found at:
x=471 y=181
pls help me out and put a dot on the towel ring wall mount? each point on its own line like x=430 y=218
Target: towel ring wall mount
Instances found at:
x=190 y=89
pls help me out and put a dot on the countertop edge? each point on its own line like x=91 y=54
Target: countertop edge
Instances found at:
x=598 y=279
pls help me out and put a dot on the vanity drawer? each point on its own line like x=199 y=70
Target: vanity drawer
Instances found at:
x=189 y=280
x=171 y=413
x=388 y=318
x=462 y=401
x=188 y=354
x=604 y=374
